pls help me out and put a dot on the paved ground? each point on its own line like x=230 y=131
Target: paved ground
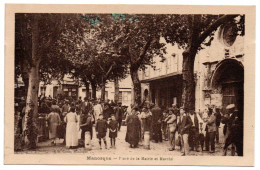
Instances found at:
x=122 y=148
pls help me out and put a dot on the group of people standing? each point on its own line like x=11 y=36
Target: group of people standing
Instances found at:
x=192 y=129
x=73 y=119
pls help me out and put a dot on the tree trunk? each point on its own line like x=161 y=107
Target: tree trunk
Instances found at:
x=137 y=86
x=116 y=84
x=87 y=88
x=94 y=90
x=103 y=90
x=26 y=84
x=31 y=111
x=188 y=93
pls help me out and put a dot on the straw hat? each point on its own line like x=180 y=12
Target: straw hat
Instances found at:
x=230 y=106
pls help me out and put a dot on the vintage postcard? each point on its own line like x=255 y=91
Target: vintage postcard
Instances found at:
x=129 y=84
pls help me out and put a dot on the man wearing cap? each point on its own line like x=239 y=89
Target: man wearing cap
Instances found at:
x=233 y=131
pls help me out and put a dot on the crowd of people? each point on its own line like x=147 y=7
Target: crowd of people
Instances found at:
x=195 y=132
x=190 y=131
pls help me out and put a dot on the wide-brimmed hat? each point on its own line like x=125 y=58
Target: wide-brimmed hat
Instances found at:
x=230 y=106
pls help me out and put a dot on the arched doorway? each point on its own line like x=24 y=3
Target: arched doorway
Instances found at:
x=228 y=79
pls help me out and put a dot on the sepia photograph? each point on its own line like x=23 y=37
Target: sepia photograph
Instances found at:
x=129 y=87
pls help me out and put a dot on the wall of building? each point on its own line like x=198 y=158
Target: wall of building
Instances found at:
x=204 y=66
x=125 y=86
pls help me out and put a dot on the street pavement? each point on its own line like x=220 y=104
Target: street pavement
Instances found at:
x=122 y=148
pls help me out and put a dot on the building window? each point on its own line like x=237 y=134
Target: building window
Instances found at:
x=125 y=97
x=43 y=91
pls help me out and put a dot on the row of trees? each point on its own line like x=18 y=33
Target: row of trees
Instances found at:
x=95 y=49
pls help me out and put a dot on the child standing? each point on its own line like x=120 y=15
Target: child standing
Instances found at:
x=101 y=130
x=113 y=126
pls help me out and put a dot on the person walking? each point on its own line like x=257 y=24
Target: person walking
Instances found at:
x=54 y=121
x=185 y=123
x=71 y=129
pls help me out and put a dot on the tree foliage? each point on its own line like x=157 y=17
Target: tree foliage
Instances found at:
x=192 y=33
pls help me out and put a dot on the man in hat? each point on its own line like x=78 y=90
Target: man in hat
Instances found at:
x=233 y=131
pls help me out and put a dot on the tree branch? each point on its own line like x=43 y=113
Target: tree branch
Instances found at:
x=143 y=53
x=214 y=26
x=109 y=70
x=100 y=67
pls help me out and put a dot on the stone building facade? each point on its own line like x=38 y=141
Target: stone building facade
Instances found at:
x=218 y=71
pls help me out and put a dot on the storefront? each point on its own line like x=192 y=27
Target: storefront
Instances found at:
x=70 y=90
x=164 y=90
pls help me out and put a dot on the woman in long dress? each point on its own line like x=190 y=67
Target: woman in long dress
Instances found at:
x=71 y=130
x=53 y=121
x=133 y=132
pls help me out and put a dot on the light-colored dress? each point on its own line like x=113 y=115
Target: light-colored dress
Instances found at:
x=71 y=130
x=53 y=120
x=97 y=111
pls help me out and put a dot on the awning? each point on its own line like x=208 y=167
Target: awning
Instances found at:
x=161 y=77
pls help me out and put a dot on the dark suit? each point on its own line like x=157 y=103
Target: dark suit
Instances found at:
x=119 y=114
x=194 y=133
x=184 y=124
x=233 y=131
x=156 y=123
x=183 y=129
